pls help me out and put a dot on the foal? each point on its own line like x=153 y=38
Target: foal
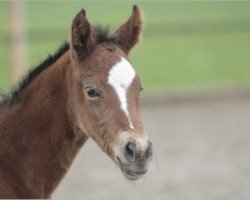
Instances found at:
x=86 y=90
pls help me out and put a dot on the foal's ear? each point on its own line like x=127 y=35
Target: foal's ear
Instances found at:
x=81 y=35
x=129 y=33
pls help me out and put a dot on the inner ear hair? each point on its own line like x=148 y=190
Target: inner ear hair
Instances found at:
x=128 y=35
x=81 y=35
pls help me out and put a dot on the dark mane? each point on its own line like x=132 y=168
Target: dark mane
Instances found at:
x=101 y=35
x=35 y=72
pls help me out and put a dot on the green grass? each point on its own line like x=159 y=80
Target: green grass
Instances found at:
x=185 y=44
x=198 y=60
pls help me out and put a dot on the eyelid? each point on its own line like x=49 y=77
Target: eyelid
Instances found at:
x=87 y=88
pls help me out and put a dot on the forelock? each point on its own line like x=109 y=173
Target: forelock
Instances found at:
x=102 y=34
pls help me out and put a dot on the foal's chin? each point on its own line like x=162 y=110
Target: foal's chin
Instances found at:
x=132 y=171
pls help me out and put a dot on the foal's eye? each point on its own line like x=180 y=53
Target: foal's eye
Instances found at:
x=92 y=93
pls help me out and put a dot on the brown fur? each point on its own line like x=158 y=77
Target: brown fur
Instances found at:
x=42 y=132
x=129 y=33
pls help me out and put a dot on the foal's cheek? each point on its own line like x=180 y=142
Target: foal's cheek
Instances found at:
x=95 y=108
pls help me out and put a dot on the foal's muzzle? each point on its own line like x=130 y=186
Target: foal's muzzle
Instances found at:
x=133 y=154
x=136 y=160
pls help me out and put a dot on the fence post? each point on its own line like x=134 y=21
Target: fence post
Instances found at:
x=18 y=39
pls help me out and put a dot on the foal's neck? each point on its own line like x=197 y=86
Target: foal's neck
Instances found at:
x=44 y=130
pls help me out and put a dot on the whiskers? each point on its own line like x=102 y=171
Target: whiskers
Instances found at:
x=155 y=157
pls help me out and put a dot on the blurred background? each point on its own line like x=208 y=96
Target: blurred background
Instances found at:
x=194 y=62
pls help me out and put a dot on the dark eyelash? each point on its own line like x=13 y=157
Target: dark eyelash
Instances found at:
x=93 y=93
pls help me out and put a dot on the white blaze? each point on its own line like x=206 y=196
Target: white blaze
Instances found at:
x=120 y=78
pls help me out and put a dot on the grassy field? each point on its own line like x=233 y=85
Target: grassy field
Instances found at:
x=185 y=44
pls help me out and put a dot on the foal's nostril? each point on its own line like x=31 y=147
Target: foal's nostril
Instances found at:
x=130 y=149
x=135 y=155
x=149 y=151
x=130 y=152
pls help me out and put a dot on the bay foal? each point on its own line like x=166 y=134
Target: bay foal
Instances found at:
x=88 y=89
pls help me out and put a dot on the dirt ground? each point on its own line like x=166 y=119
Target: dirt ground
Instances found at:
x=201 y=147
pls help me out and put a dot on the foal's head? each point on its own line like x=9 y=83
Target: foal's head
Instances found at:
x=108 y=90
